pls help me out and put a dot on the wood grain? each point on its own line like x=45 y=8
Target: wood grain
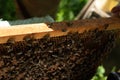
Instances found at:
x=18 y=32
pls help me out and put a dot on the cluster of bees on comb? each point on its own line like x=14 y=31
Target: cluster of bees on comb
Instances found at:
x=74 y=56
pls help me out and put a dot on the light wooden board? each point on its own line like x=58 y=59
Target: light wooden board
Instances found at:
x=37 y=31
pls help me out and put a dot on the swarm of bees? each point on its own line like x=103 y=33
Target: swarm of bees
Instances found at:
x=74 y=56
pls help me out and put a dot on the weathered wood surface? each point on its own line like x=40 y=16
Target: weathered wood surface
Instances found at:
x=18 y=32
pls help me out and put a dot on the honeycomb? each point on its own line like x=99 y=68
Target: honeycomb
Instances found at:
x=74 y=56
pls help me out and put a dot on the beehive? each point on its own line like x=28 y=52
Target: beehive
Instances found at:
x=56 y=51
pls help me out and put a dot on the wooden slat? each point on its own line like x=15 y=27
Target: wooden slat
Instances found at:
x=18 y=32
x=24 y=29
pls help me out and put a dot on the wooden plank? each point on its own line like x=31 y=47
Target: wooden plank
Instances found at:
x=37 y=31
x=24 y=29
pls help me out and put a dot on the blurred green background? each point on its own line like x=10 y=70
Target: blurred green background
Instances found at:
x=65 y=9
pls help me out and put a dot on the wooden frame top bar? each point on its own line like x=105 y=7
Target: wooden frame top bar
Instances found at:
x=18 y=32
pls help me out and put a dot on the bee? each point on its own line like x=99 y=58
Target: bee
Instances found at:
x=49 y=25
x=106 y=26
x=69 y=24
x=64 y=30
x=28 y=38
x=11 y=41
x=46 y=37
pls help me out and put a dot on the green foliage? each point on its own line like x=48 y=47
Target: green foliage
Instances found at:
x=99 y=74
x=113 y=69
x=68 y=9
x=7 y=9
